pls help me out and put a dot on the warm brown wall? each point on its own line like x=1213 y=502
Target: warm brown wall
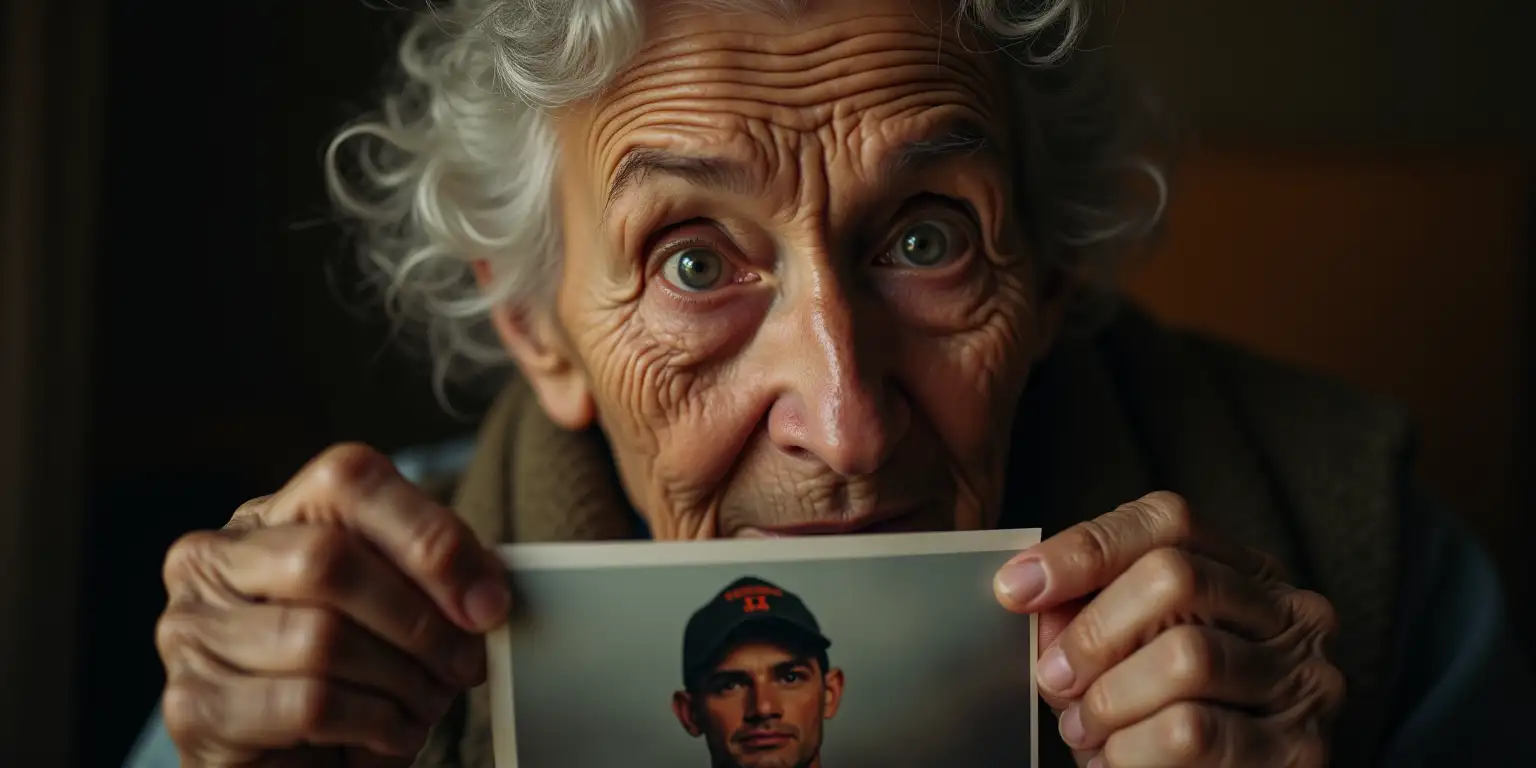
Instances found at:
x=1407 y=73
x=1404 y=274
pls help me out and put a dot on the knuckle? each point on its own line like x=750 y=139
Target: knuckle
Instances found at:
x=304 y=703
x=246 y=514
x=1317 y=611
x=426 y=635
x=1086 y=637
x=188 y=707
x=1187 y=733
x=318 y=559
x=1170 y=512
x=1087 y=547
x=1171 y=579
x=1191 y=659
x=1328 y=685
x=190 y=555
x=1098 y=703
x=436 y=540
x=1314 y=689
x=177 y=629
x=310 y=636
x=348 y=468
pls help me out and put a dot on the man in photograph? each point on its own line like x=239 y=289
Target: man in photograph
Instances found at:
x=756 y=682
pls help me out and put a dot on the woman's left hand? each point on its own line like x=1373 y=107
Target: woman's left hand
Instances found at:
x=1189 y=652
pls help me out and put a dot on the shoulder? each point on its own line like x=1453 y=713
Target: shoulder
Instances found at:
x=1320 y=407
x=1339 y=461
x=1328 y=444
x=1294 y=415
x=1335 y=464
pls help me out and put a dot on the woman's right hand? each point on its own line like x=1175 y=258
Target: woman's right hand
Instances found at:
x=331 y=623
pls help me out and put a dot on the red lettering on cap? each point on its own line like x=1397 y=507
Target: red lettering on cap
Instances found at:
x=741 y=593
x=755 y=603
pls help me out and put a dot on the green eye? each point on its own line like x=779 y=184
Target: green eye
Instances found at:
x=925 y=244
x=695 y=269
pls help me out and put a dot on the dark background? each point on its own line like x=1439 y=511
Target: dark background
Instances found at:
x=229 y=345
x=184 y=328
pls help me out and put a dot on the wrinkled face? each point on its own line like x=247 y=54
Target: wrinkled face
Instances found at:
x=762 y=707
x=794 y=291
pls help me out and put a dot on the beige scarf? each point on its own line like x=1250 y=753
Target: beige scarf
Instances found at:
x=1268 y=457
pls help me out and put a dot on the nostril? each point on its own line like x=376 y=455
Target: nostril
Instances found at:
x=787 y=426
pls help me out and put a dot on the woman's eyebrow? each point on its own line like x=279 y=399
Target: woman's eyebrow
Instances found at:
x=640 y=163
x=951 y=140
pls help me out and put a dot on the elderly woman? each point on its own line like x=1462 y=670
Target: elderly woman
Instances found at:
x=779 y=268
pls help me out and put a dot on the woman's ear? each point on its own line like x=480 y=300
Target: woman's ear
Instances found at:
x=544 y=358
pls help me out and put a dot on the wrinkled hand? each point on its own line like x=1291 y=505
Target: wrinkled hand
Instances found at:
x=329 y=624
x=1192 y=653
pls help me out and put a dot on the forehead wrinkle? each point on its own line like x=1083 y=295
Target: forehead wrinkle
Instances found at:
x=782 y=46
x=638 y=164
x=757 y=94
x=669 y=124
x=701 y=79
x=719 y=87
x=796 y=67
x=725 y=120
x=849 y=57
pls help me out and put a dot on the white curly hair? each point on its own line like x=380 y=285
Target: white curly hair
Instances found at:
x=459 y=164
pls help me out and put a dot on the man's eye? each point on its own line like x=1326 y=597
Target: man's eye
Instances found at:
x=925 y=244
x=696 y=269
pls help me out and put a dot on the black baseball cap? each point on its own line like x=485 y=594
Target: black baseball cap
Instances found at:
x=747 y=604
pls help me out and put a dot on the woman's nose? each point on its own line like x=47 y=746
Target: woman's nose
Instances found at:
x=839 y=403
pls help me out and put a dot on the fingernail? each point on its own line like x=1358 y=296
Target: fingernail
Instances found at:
x=487 y=603
x=1096 y=762
x=1072 y=726
x=1022 y=582
x=1055 y=672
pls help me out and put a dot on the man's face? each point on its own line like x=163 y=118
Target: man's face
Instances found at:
x=794 y=292
x=762 y=707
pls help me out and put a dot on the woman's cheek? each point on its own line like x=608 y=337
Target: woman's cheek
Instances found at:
x=967 y=379
x=656 y=368
x=627 y=394
x=704 y=328
x=944 y=301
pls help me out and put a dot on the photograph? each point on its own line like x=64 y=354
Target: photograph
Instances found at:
x=825 y=652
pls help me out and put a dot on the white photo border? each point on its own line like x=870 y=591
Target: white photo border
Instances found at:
x=636 y=554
